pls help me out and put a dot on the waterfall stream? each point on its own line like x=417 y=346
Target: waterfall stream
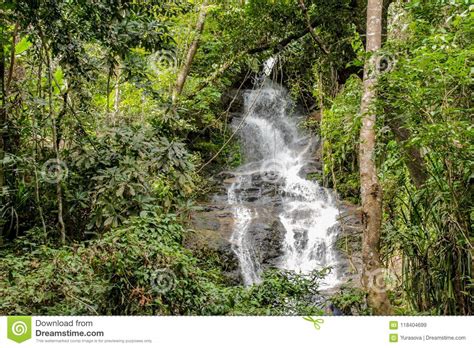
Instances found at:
x=276 y=152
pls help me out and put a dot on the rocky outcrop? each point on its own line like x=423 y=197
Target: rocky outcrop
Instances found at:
x=213 y=224
x=257 y=194
x=234 y=99
x=349 y=243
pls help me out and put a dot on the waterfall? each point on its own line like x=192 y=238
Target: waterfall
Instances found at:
x=239 y=240
x=276 y=152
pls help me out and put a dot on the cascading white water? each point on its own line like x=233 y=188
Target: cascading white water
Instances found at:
x=277 y=152
x=239 y=240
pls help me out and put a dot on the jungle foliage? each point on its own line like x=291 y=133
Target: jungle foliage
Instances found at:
x=99 y=167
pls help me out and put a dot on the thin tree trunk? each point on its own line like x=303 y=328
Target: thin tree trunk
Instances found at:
x=371 y=192
x=184 y=71
x=109 y=76
x=59 y=195
x=3 y=111
x=12 y=58
x=386 y=4
x=38 y=202
x=115 y=114
x=35 y=135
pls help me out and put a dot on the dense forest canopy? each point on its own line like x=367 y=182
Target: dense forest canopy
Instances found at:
x=115 y=121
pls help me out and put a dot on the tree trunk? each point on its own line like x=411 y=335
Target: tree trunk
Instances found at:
x=59 y=193
x=386 y=4
x=371 y=192
x=109 y=76
x=184 y=71
x=115 y=113
x=3 y=111
x=12 y=58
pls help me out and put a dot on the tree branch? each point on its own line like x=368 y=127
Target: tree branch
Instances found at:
x=184 y=71
x=275 y=47
x=311 y=30
x=279 y=46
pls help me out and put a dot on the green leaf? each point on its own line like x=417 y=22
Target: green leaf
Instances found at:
x=22 y=46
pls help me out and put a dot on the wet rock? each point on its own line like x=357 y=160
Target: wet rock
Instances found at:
x=233 y=99
x=263 y=186
x=213 y=224
x=230 y=181
x=349 y=243
x=212 y=231
x=267 y=234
